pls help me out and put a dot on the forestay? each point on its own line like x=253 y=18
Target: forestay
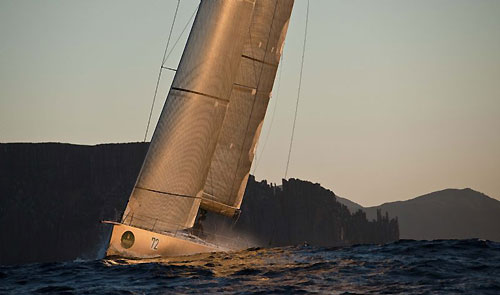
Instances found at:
x=230 y=166
x=170 y=185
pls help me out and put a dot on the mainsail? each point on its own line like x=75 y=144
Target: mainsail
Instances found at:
x=230 y=166
x=170 y=185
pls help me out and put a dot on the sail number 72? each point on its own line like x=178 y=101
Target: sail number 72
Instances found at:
x=154 y=243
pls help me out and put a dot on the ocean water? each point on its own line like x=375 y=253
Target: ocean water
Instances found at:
x=406 y=266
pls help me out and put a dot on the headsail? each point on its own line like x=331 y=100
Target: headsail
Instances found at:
x=169 y=188
x=230 y=167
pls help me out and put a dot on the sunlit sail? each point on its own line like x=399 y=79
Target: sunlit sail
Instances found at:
x=203 y=145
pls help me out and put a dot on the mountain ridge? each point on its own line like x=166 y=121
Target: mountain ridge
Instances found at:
x=445 y=214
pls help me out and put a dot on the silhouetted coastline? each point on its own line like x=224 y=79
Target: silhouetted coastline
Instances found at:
x=298 y=212
x=53 y=197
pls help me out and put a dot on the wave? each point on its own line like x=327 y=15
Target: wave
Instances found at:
x=406 y=266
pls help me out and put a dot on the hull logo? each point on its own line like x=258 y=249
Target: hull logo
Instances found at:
x=128 y=239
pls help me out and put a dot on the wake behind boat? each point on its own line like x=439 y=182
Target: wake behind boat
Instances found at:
x=203 y=145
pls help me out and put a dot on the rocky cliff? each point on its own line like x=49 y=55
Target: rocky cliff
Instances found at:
x=298 y=212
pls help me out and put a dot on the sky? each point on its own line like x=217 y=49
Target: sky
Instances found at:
x=399 y=98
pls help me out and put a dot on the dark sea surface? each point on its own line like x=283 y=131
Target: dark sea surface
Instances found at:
x=409 y=267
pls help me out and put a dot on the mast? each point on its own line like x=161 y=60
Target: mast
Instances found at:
x=230 y=166
x=169 y=188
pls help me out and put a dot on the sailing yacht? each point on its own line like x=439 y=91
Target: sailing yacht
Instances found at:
x=204 y=143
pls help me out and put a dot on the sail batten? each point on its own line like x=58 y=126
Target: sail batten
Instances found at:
x=199 y=93
x=170 y=185
x=234 y=152
x=258 y=60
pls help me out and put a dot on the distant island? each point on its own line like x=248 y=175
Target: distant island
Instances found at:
x=447 y=214
x=53 y=196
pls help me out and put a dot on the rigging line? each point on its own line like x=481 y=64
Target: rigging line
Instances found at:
x=298 y=91
x=161 y=69
x=272 y=116
x=182 y=32
x=170 y=33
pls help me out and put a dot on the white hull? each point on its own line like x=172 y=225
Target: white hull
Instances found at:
x=132 y=242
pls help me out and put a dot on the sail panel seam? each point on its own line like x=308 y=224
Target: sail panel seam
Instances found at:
x=247 y=88
x=184 y=196
x=167 y=193
x=200 y=93
x=258 y=60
